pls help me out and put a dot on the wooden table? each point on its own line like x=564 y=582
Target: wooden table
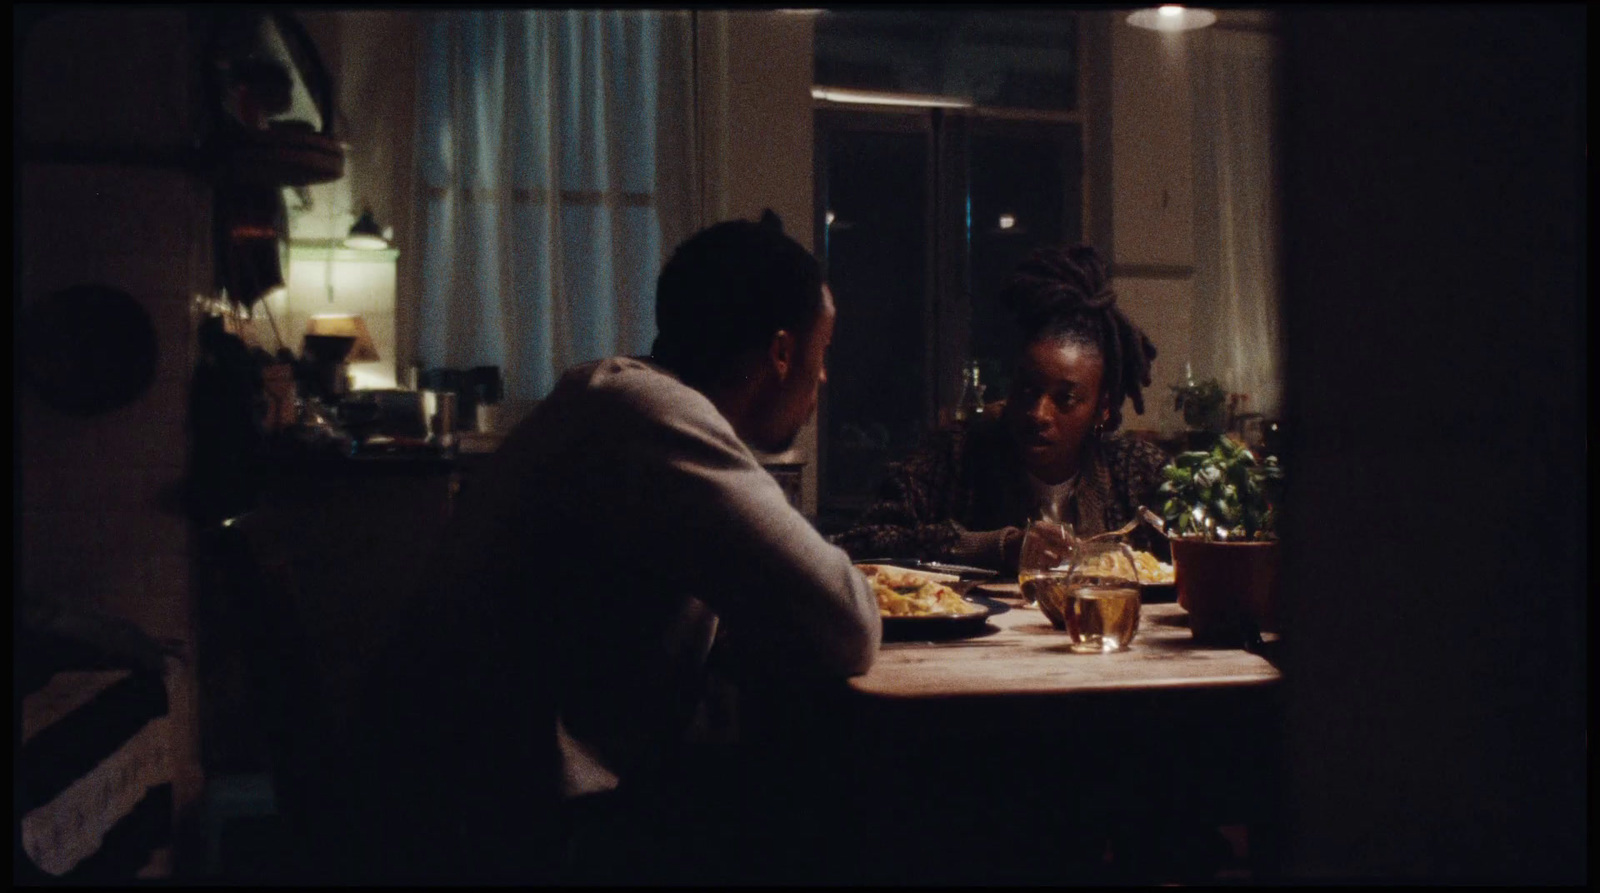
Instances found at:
x=1022 y=655
x=953 y=752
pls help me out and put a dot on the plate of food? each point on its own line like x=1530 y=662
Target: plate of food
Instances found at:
x=1157 y=581
x=1005 y=587
x=959 y=571
x=921 y=604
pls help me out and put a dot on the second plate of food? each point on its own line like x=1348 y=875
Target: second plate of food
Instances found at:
x=1156 y=579
x=918 y=604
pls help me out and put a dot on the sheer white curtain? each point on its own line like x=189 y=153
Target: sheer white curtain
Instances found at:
x=557 y=168
x=1236 y=333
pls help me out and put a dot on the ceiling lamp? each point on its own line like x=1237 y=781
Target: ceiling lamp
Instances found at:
x=1172 y=18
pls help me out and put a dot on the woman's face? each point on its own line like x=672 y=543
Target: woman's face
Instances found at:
x=1054 y=404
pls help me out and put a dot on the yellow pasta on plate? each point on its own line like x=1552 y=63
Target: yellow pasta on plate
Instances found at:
x=906 y=593
x=1152 y=570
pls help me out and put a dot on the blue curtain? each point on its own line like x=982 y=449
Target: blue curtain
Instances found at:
x=554 y=149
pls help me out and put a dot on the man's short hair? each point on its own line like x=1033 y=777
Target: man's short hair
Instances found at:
x=726 y=291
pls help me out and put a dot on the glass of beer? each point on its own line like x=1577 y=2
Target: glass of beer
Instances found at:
x=1046 y=556
x=1100 y=597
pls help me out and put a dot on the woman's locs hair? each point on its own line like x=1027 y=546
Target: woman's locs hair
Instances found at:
x=1064 y=293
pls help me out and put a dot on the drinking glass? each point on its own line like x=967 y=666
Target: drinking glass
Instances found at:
x=1099 y=601
x=1046 y=556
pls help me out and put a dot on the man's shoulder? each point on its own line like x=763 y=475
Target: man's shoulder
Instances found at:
x=622 y=405
x=618 y=374
x=631 y=383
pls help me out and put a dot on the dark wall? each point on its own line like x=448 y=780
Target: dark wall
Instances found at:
x=1435 y=171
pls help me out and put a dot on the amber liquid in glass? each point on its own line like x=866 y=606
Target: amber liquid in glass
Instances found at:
x=1102 y=616
x=1036 y=585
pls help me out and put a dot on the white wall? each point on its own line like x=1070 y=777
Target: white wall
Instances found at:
x=769 y=147
x=1157 y=268
x=1152 y=149
x=1152 y=207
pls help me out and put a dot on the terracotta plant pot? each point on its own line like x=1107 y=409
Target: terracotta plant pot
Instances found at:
x=1226 y=587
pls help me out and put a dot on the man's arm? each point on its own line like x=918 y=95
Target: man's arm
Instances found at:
x=721 y=527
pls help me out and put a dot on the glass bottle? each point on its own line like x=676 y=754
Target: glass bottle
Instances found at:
x=970 y=404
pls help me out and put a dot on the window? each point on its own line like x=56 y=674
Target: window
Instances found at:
x=924 y=211
x=1000 y=60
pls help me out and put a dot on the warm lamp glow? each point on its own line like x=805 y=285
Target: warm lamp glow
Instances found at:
x=1172 y=17
x=346 y=326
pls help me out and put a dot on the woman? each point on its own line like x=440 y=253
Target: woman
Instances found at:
x=1051 y=451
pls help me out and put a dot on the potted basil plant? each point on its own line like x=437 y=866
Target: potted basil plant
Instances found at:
x=1221 y=507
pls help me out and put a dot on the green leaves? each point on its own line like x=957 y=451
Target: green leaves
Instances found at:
x=1225 y=493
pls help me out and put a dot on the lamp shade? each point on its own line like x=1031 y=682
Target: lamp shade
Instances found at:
x=366 y=233
x=345 y=325
x=328 y=350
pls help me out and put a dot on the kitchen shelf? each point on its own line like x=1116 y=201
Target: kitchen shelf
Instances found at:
x=334 y=249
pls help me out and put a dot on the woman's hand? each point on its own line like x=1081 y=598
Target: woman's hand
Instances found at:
x=1011 y=550
x=1046 y=544
x=998 y=548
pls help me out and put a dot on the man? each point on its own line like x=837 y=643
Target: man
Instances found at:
x=559 y=652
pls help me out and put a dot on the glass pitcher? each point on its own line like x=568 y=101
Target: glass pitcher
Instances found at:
x=1099 y=599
